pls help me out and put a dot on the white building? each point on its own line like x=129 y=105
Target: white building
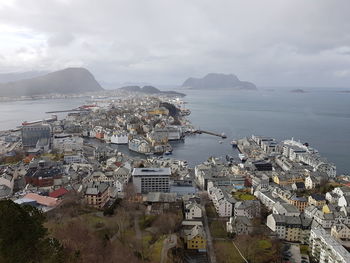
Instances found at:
x=340 y=231
x=311 y=182
x=344 y=200
x=192 y=210
x=285 y=209
x=74 y=158
x=247 y=208
x=326 y=249
x=342 y=191
x=120 y=138
x=266 y=199
x=223 y=203
x=148 y=180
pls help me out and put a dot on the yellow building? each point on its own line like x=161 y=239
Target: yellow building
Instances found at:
x=287 y=179
x=195 y=238
x=158 y=111
x=317 y=200
x=328 y=209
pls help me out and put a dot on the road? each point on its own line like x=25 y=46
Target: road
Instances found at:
x=168 y=243
x=210 y=246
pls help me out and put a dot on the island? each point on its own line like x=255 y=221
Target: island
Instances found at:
x=298 y=91
x=216 y=81
x=150 y=90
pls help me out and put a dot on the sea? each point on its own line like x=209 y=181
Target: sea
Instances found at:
x=318 y=117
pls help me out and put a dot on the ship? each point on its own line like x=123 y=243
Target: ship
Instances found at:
x=234 y=143
x=242 y=157
x=52 y=119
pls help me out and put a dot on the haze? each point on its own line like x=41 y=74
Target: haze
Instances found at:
x=270 y=43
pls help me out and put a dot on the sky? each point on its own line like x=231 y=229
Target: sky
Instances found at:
x=270 y=42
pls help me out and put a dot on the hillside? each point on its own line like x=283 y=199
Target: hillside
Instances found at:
x=66 y=81
x=218 y=81
x=15 y=76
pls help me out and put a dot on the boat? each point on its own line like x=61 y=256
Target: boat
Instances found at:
x=220 y=142
x=242 y=157
x=234 y=143
x=168 y=153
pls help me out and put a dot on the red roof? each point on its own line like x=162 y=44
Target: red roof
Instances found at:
x=118 y=164
x=59 y=192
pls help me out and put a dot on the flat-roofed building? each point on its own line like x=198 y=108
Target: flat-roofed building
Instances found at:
x=324 y=248
x=31 y=134
x=97 y=194
x=148 y=180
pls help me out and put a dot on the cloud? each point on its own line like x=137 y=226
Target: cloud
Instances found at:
x=60 y=39
x=159 y=41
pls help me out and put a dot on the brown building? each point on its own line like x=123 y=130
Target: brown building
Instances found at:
x=97 y=194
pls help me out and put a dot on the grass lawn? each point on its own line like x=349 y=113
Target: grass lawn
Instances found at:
x=210 y=210
x=243 y=196
x=264 y=244
x=156 y=250
x=226 y=252
x=218 y=229
x=304 y=249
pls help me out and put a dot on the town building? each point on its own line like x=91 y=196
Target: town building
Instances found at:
x=324 y=248
x=290 y=228
x=317 y=200
x=32 y=134
x=151 y=179
x=195 y=238
x=97 y=194
x=193 y=210
x=239 y=225
x=222 y=201
x=247 y=208
x=43 y=173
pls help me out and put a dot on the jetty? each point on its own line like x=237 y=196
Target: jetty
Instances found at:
x=222 y=135
x=62 y=111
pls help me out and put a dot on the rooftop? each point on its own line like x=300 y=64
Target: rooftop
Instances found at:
x=151 y=172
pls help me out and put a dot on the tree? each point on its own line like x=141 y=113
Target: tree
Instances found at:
x=23 y=237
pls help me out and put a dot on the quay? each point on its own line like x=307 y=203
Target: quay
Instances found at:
x=223 y=136
x=62 y=111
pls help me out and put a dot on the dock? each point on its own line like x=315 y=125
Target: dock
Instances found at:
x=62 y=111
x=223 y=136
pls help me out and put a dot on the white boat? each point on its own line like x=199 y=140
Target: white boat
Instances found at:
x=242 y=157
x=220 y=142
x=234 y=143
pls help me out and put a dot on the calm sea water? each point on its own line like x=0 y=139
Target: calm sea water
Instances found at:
x=320 y=118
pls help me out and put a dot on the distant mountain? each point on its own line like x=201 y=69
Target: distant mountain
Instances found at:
x=218 y=81
x=66 y=81
x=151 y=90
x=14 y=76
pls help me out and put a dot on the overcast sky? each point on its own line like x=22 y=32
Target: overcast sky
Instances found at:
x=268 y=42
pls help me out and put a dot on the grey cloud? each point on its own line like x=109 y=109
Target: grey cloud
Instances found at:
x=268 y=42
x=60 y=39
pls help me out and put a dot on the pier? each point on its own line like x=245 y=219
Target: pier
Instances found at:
x=223 y=136
x=62 y=111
